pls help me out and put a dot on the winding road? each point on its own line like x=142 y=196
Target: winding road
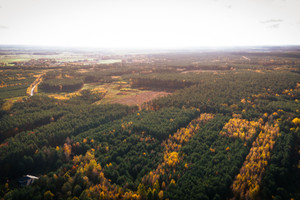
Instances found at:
x=32 y=90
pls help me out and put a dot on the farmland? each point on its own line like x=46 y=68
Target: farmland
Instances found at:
x=170 y=125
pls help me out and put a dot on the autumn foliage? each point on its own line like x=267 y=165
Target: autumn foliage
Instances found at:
x=172 y=146
x=93 y=173
x=296 y=121
x=240 y=128
x=246 y=183
x=35 y=84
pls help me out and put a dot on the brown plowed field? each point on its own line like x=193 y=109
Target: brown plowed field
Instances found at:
x=140 y=98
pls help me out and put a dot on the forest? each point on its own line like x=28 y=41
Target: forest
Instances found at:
x=180 y=125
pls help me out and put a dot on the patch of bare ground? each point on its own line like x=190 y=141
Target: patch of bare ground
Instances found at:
x=199 y=71
x=140 y=98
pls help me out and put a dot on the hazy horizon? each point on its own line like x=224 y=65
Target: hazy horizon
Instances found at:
x=154 y=24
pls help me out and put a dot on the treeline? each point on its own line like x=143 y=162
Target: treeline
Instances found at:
x=61 y=85
x=15 y=91
x=158 y=84
x=223 y=92
x=11 y=125
x=13 y=83
x=167 y=81
x=67 y=80
x=270 y=54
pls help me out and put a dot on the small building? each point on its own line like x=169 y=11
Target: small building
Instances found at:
x=27 y=180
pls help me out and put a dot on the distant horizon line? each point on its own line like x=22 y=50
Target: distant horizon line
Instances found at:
x=214 y=47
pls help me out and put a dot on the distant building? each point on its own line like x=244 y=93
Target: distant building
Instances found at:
x=27 y=180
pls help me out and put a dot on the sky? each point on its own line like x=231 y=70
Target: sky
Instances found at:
x=150 y=23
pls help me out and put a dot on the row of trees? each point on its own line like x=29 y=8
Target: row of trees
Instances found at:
x=13 y=83
x=171 y=148
x=281 y=174
x=26 y=115
x=61 y=85
x=247 y=183
x=212 y=159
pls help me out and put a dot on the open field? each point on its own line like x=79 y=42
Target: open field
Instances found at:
x=58 y=57
x=138 y=98
x=123 y=94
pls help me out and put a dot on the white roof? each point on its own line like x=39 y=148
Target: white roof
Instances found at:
x=32 y=177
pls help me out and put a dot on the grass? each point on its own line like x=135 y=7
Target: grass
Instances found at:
x=10 y=102
x=9 y=59
x=115 y=92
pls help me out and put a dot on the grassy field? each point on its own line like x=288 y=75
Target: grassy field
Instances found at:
x=9 y=59
x=123 y=94
x=58 y=57
x=114 y=93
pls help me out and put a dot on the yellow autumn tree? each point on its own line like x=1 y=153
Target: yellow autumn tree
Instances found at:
x=246 y=183
x=296 y=121
x=67 y=148
x=48 y=195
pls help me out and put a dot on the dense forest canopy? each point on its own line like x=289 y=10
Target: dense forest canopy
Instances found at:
x=179 y=125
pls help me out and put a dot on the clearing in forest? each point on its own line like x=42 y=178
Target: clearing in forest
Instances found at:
x=122 y=93
x=140 y=98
